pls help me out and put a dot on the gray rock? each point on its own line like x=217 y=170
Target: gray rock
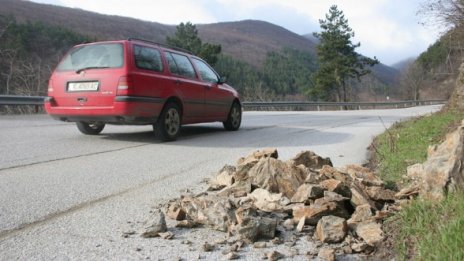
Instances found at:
x=254 y=228
x=155 y=224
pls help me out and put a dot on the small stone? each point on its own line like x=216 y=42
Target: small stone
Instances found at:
x=224 y=179
x=186 y=242
x=274 y=255
x=276 y=241
x=289 y=224
x=371 y=232
x=321 y=207
x=331 y=229
x=311 y=160
x=220 y=241
x=155 y=224
x=347 y=249
x=259 y=245
x=359 y=247
x=293 y=252
x=207 y=247
x=232 y=256
x=361 y=214
x=253 y=228
x=186 y=224
x=381 y=194
x=306 y=192
x=129 y=233
x=301 y=223
x=366 y=176
x=326 y=254
x=336 y=186
x=312 y=177
x=166 y=235
x=175 y=212
x=359 y=196
x=290 y=243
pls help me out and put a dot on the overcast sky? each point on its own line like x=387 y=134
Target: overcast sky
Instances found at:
x=387 y=29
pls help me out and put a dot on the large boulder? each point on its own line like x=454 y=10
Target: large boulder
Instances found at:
x=443 y=171
x=276 y=176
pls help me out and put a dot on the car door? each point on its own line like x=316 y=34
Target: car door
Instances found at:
x=187 y=85
x=217 y=98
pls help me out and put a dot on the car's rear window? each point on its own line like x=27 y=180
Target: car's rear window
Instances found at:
x=108 y=55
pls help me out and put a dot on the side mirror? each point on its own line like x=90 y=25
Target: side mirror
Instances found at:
x=222 y=80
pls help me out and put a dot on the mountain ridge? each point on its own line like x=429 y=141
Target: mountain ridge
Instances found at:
x=247 y=40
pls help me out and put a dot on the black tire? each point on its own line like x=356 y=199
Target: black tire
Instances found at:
x=90 y=128
x=234 y=119
x=167 y=127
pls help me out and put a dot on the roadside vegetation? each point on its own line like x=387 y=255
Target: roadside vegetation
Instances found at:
x=422 y=230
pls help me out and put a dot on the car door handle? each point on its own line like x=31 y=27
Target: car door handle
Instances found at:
x=178 y=82
x=208 y=86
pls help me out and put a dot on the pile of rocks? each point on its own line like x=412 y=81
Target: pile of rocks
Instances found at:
x=262 y=196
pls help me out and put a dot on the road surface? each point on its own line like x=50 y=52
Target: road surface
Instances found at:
x=64 y=195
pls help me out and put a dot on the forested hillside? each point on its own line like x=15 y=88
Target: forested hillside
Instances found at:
x=262 y=60
x=432 y=75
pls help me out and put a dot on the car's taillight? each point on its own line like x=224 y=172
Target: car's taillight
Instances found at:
x=50 y=87
x=125 y=86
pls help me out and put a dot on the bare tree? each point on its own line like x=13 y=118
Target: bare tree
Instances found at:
x=8 y=57
x=412 y=80
x=447 y=14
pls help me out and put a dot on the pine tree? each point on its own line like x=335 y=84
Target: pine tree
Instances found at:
x=338 y=60
x=186 y=37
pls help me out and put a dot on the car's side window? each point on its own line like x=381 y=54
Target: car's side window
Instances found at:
x=183 y=66
x=206 y=73
x=148 y=58
x=171 y=63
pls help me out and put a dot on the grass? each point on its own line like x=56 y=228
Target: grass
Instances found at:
x=422 y=230
x=406 y=143
x=432 y=231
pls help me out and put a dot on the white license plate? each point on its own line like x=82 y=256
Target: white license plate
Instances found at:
x=82 y=86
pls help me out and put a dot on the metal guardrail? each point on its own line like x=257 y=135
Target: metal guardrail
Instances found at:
x=15 y=100
x=276 y=105
x=279 y=105
x=21 y=100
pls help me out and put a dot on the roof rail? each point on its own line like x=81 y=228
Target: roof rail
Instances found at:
x=160 y=44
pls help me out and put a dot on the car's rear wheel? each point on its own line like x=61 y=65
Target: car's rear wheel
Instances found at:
x=167 y=127
x=90 y=128
x=234 y=119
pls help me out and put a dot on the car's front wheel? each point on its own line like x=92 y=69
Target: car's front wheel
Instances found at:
x=90 y=128
x=234 y=119
x=167 y=127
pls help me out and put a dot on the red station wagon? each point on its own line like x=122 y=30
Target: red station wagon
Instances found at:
x=138 y=82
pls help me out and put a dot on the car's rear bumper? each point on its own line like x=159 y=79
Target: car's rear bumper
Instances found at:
x=125 y=110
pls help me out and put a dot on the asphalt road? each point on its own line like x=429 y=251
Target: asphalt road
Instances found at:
x=66 y=196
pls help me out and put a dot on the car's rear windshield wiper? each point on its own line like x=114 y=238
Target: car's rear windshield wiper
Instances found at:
x=90 y=67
